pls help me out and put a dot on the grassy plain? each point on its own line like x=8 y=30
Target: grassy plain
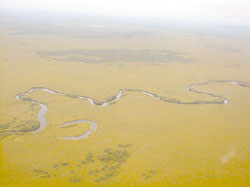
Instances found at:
x=140 y=141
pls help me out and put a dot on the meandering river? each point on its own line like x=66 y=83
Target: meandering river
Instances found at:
x=41 y=117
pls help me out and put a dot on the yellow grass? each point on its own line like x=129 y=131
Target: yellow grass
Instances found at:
x=140 y=141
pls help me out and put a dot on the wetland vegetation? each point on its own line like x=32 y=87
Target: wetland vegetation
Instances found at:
x=103 y=102
x=116 y=56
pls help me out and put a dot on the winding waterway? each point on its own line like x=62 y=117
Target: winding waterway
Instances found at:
x=41 y=117
x=93 y=127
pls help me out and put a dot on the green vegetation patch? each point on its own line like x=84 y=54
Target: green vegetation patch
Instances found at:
x=116 y=55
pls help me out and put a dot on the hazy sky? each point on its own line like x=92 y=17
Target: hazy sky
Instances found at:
x=229 y=11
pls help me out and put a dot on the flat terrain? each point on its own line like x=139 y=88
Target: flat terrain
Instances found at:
x=98 y=102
